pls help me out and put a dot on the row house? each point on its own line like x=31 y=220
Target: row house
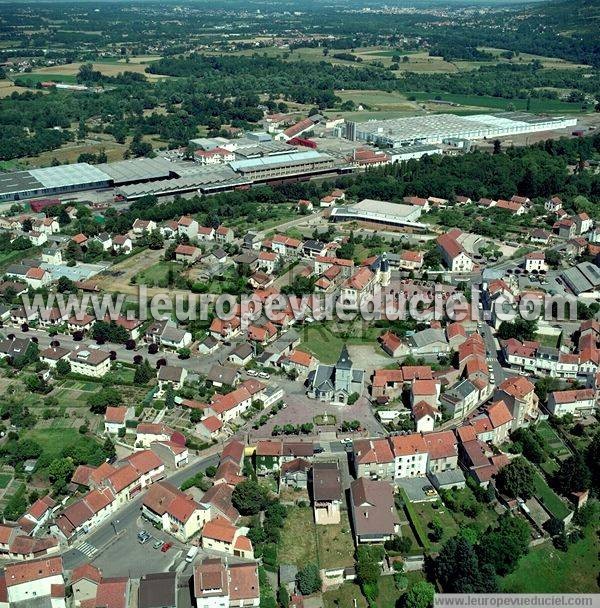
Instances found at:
x=580 y=402
x=492 y=426
x=443 y=451
x=271 y=454
x=518 y=394
x=229 y=407
x=220 y=535
x=410 y=455
x=84 y=514
x=36 y=581
x=187 y=226
x=356 y=288
x=286 y=246
x=220 y=584
x=149 y=432
x=177 y=513
x=512 y=206
x=373 y=458
x=530 y=356
x=479 y=460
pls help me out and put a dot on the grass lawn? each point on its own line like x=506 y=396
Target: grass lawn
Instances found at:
x=546 y=570
x=547 y=496
x=156 y=275
x=550 y=340
x=298 y=525
x=378 y=100
x=427 y=514
x=319 y=341
x=53 y=441
x=334 y=544
x=388 y=592
x=344 y=597
x=5 y=480
x=70 y=398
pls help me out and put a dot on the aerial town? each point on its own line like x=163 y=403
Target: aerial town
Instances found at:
x=321 y=355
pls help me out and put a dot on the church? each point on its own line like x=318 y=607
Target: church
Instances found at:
x=335 y=383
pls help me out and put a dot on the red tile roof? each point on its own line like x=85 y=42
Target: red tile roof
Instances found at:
x=35 y=570
x=407 y=445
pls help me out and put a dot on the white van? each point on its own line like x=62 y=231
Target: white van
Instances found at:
x=191 y=554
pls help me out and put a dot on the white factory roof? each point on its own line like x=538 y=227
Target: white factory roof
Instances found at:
x=62 y=176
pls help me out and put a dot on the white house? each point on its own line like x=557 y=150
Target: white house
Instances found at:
x=578 y=402
x=410 y=455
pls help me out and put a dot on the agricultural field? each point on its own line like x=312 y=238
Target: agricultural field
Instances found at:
x=68 y=71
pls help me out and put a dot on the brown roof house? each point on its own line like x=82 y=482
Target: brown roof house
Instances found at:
x=373 y=511
x=326 y=493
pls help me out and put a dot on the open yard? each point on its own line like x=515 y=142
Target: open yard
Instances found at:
x=547 y=570
x=344 y=596
x=4 y=480
x=299 y=524
x=157 y=275
x=334 y=544
x=319 y=341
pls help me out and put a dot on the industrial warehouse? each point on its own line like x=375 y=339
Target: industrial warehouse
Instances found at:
x=219 y=164
x=379 y=212
x=438 y=128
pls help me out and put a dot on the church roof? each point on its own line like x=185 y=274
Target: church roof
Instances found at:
x=344 y=361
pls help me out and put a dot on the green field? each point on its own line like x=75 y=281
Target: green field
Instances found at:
x=334 y=544
x=4 y=480
x=499 y=103
x=319 y=341
x=547 y=570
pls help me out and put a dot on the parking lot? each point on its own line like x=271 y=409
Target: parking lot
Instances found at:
x=127 y=556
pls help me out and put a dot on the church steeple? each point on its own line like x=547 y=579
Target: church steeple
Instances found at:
x=344 y=361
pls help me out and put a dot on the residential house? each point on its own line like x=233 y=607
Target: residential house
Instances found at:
x=428 y=342
x=460 y=399
x=84 y=583
x=535 y=261
x=149 y=432
x=170 y=374
x=187 y=226
x=518 y=394
x=32 y=580
x=294 y=473
x=453 y=253
x=391 y=344
x=178 y=514
x=373 y=458
x=241 y=354
x=143 y=226
x=219 y=534
x=90 y=361
x=271 y=454
x=286 y=246
x=411 y=260
x=583 y=223
x=115 y=418
x=224 y=585
x=223 y=234
x=158 y=590
x=121 y=243
x=187 y=253
x=113 y=592
x=326 y=484
x=220 y=375
x=443 y=451
x=410 y=455
x=373 y=511
x=172 y=454
x=230 y=406
x=578 y=402
x=53 y=354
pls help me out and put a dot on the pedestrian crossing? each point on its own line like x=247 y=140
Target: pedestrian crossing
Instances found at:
x=87 y=549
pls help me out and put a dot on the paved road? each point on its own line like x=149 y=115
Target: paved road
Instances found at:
x=124 y=523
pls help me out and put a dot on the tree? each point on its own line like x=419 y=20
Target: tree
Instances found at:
x=60 y=472
x=98 y=402
x=420 y=595
x=516 y=479
x=572 y=476
x=143 y=373
x=196 y=416
x=62 y=368
x=283 y=597
x=308 y=579
x=593 y=459
x=458 y=570
x=170 y=397
x=65 y=285
x=502 y=547
x=109 y=449
x=249 y=497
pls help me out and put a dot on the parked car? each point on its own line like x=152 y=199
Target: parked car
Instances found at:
x=252 y=372
x=158 y=544
x=143 y=537
x=166 y=547
x=264 y=375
